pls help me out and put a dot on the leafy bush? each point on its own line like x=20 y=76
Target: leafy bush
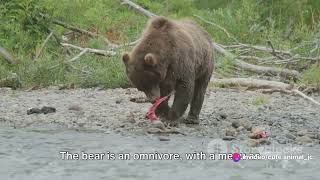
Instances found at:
x=21 y=26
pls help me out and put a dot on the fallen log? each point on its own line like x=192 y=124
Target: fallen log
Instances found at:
x=251 y=83
x=262 y=85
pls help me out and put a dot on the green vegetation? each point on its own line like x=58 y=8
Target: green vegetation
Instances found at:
x=260 y=100
x=287 y=23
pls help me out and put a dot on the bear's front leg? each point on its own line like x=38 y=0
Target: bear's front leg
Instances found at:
x=182 y=98
x=164 y=108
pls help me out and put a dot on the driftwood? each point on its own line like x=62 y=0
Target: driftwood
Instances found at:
x=262 y=85
x=100 y=52
x=252 y=83
x=83 y=51
x=8 y=57
x=138 y=8
x=255 y=68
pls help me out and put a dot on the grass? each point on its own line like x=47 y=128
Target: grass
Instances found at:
x=260 y=100
x=121 y=24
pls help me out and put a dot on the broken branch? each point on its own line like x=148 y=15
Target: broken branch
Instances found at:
x=76 y=29
x=91 y=50
x=255 y=68
x=138 y=8
x=218 y=26
x=7 y=56
x=42 y=46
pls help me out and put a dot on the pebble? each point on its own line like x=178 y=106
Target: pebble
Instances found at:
x=302 y=132
x=258 y=142
x=240 y=128
x=290 y=136
x=231 y=132
x=162 y=138
x=75 y=107
x=223 y=115
x=228 y=138
x=282 y=141
x=304 y=140
x=154 y=130
x=244 y=123
x=235 y=123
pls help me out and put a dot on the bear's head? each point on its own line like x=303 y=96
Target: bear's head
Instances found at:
x=146 y=65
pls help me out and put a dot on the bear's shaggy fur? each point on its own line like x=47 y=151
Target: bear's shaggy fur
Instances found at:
x=172 y=56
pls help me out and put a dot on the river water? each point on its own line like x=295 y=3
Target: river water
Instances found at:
x=34 y=153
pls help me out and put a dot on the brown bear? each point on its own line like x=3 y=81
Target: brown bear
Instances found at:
x=172 y=56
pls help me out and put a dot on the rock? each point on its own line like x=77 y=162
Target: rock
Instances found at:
x=231 y=132
x=240 y=129
x=158 y=124
x=223 y=115
x=228 y=138
x=246 y=124
x=235 y=123
x=139 y=100
x=304 y=140
x=34 y=111
x=47 y=109
x=256 y=130
x=75 y=107
x=282 y=141
x=118 y=101
x=289 y=135
x=258 y=142
x=154 y=131
x=264 y=141
x=225 y=124
x=44 y=110
x=302 y=132
x=161 y=138
x=309 y=145
x=306 y=132
x=253 y=143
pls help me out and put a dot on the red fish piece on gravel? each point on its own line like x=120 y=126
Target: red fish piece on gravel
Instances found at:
x=151 y=115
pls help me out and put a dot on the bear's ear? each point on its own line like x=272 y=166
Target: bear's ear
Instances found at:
x=125 y=58
x=159 y=22
x=150 y=60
